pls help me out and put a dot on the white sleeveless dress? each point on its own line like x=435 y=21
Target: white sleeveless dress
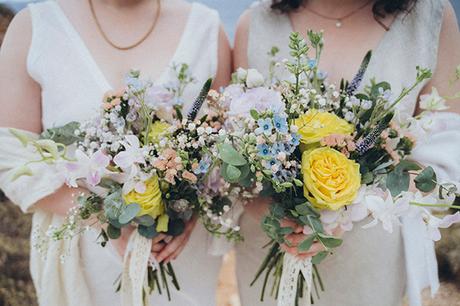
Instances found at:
x=369 y=268
x=72 y=90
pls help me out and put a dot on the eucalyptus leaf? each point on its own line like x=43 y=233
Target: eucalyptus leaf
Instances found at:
x=64 y=134
x=113 y=232
x=426 y=180
x=129 y=213
x=148 y=232
x=233 y=173
x=231 y=156
x=145 y=220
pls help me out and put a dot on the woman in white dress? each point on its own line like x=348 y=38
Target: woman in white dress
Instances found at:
x=57 y=61
x=370 y=267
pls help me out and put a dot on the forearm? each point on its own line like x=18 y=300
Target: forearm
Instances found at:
x=61 y=201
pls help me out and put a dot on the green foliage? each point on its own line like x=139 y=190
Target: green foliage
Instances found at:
x=425 y=181
x=128 y=213
x=148 y=232
x=398 y=180
x=231 y=156
x=113 y=232
x=64 y=134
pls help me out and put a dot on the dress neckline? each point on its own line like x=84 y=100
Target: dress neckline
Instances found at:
x=375 y=51
x=89 y=59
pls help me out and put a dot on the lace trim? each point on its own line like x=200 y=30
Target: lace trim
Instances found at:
x=292 y=267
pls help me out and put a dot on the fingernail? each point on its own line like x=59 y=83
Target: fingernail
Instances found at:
x=168 y=239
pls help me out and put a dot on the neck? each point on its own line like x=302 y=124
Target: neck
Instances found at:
x=125 y=3
x=334 y=7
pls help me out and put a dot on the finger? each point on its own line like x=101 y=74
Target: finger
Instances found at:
x=295 y=239
x=289 y=223
x=158 y=238
x=157 y=247
x=171 y=247
x=179 y=250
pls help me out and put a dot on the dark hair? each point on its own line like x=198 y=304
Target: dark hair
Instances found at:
x=380 y=8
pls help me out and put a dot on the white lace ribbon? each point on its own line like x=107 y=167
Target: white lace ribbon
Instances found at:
x=134 y=276
x=292 y=267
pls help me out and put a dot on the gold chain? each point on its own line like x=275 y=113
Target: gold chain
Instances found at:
x=340 y=19
x=134 y=45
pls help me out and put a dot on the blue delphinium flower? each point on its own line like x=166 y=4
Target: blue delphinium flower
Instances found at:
x=281 y=124
x=203 y=166
x=283 y=175
x=264 y=150
x=268 y=164
x=265 y=126
x=295 y=139
x=277 y=148
x=311 y=63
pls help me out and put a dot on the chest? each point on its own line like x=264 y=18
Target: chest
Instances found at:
x=345 y=46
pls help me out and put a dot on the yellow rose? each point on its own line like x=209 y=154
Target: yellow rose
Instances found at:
x=314 y=126
x=150 y=203
x=331 y=180
x=158 y=130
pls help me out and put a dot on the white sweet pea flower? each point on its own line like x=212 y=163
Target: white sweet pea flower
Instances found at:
x=132 y=154
x=91 y=168
x=385 y=210
x=135 y=180
x=433 y=101
x=433 y=224
x=254 y=78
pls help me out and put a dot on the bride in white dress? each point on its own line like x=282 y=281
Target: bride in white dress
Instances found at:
x=372 y=267
x=57 y=61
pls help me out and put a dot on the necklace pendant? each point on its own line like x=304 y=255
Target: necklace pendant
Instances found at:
x=338 y=24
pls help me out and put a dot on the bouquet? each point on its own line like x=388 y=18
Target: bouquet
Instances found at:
x=147 y=166
x=328 y=157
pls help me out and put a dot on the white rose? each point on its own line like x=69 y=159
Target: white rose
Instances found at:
x=254 y=79
x=433 y=101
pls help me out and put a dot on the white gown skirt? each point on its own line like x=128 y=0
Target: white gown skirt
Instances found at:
x=197 y=272
x=368 y=269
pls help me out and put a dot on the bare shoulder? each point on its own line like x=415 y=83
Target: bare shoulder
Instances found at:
x=176 y=8
x=450 y=19
x=19 y=33
x=240 y=53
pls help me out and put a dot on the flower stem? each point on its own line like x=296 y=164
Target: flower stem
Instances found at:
x=435 y=205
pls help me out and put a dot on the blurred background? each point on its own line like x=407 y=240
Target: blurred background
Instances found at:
x=16 y=288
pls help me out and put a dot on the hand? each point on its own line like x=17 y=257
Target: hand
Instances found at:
x=298 y=236
x=173 y=248
x=121 y=243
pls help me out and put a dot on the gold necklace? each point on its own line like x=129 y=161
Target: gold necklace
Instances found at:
x=140 y=41
x=339 y=20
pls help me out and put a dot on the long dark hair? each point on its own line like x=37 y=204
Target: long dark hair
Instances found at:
x=380 y=9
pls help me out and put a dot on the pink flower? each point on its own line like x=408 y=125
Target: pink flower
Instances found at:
x=189 y=177
x=91 y=168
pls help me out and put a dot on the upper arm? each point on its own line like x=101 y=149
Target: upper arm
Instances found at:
x=20 y=101
x=240 y=51
x=448 y=60
x=224 y=61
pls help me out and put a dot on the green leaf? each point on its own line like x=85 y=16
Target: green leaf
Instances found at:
x=298 y=183
x=64 y=134
x=318 y=258
x=233 y=173
x=129 y=213
x=305 y=209
x=329 y=242
x=306 y=244
x=426 y=180
x=148 y=232
x=254 y=114
x=398 y=180
x=231 y=156
x=113 y=232
x=145 y=220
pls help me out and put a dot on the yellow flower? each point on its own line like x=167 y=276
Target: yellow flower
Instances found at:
x=150 y=203
x=314 y=126
x=158 y=130
x=331 y=180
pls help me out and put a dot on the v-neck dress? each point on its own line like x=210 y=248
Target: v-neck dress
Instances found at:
x=370 y=267
x=72 y=89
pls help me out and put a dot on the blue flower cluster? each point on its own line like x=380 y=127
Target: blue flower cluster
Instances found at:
x=203 y=165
